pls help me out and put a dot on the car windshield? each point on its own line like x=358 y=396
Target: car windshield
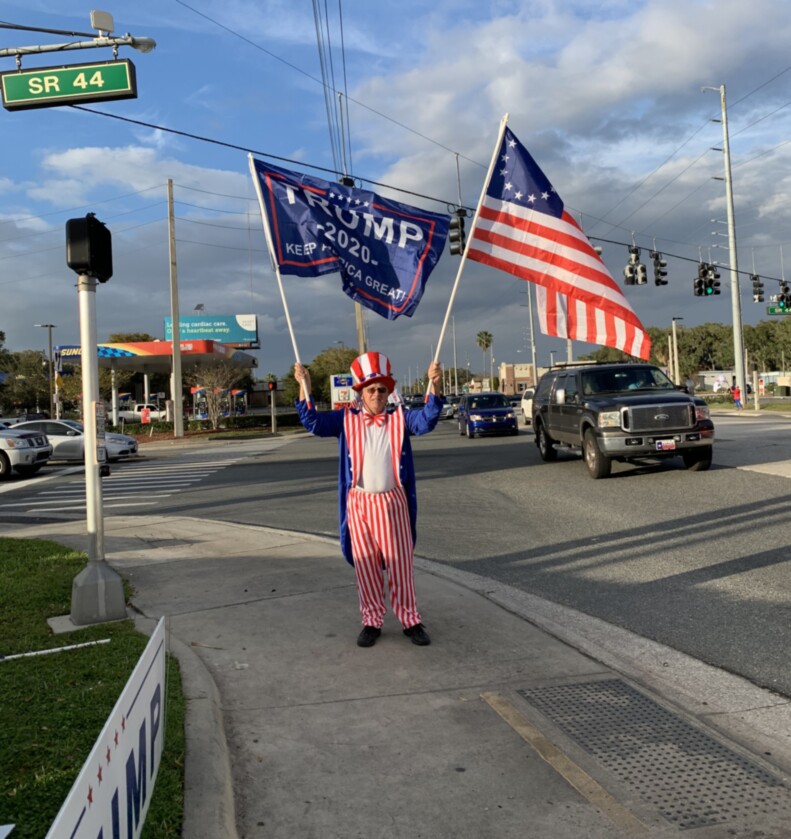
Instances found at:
x=621 y=381
x=77 y=426
x=489 y=400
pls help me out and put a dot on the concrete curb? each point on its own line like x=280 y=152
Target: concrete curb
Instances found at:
x=209 y=809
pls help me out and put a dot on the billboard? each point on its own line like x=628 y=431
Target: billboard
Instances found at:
x=240 y=331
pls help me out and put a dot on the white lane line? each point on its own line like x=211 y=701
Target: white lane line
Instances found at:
x=69 y=504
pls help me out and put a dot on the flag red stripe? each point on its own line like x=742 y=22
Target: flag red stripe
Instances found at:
x=580 y=300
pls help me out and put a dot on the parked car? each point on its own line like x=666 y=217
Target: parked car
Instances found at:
x=447 y=411
x=526 y=405
x=626 y=412
x=486 y=413
x=22 y=451
x=68 y=440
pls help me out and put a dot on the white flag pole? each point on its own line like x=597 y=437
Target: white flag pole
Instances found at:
x=503 y=124
x=275 y=267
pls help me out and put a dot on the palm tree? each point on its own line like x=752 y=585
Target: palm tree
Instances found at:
x=484 y=341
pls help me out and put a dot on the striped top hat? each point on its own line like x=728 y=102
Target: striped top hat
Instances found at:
x=371 y=367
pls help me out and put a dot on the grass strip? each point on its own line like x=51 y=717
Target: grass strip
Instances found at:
x=53 y=707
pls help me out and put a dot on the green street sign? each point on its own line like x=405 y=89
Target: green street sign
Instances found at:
x=78 y=83
x=776 y=310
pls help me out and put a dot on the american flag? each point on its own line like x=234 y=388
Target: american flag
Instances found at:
x=523 y=228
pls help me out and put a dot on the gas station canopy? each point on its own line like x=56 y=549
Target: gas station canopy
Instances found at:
x=157 y=356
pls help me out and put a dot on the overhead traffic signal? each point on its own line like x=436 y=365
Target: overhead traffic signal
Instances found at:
x=660 y=264
x=699 y=283
x=784 y=298
x=633 y=275
x=456 y=236
x=758 y=289
x=712 y=281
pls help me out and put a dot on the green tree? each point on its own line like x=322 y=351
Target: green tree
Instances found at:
x=484 y=340
x=330 y=362
x=27 y=384
x=216 y=379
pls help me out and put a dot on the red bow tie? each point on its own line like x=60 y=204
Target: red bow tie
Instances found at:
x=375 y=419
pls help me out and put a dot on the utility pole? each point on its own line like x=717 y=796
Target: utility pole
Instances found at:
x=676 y=369
x=176 y=384
x=736 y=308
x=49 y=327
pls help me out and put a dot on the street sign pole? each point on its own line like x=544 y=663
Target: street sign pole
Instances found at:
x=97 y=592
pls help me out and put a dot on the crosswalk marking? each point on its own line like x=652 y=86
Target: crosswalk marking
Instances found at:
x=126 y=486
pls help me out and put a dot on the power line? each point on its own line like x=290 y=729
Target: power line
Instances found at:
x=259 y=153
x=319 y=81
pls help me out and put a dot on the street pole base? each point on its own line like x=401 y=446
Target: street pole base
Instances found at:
x=97 y=595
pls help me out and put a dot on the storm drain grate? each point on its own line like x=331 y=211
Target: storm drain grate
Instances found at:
x=692 y=779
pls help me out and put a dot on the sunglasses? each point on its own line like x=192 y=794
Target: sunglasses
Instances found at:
x=375 y=389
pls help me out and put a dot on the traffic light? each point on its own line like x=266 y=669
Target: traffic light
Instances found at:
x=271 y=385
x=784 y=298
x=660 y=264
x=631 y=272
x=642 y=275
x=758 y=289
x=699 y=283
x=456 y=237
x=89 y=247
x=712 y=281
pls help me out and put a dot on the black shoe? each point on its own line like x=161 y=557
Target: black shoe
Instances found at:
x=367 y=638
x=418 y=635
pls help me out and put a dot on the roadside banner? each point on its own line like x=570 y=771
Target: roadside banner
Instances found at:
x=111 y=795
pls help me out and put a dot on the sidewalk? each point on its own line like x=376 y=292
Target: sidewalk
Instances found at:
x=522 y=719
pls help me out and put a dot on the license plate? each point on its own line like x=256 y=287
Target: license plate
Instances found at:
x=665 y=445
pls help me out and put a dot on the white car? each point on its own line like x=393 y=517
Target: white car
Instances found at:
x=526 y=405
x=22 y=451
x=68 y=440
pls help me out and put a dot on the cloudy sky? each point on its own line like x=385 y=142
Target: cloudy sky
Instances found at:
x=608 y=102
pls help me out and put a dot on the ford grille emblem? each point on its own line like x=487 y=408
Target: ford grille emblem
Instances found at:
x=661 y=417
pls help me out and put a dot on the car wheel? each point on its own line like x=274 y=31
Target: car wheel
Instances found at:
x=698 y=460
x=599 y=465
x=545 y=448
x=27 y=471
x=5 y=467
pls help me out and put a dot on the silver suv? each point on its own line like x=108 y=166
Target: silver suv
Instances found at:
x=625 y=412
x=22 y=451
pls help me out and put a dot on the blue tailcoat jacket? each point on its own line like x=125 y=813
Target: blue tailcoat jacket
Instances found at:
x=330 y=424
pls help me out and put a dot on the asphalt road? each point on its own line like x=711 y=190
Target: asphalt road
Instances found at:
x=697 y=561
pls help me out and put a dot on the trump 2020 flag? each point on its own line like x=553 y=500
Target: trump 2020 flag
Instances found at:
x=523 y=228
x=383 y=250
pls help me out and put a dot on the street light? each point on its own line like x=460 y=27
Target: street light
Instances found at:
x=49 y=327
x=736 y=312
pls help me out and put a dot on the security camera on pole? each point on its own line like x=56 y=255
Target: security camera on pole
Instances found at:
x=97 y=593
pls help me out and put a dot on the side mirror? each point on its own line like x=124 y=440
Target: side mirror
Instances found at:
x=560 y=396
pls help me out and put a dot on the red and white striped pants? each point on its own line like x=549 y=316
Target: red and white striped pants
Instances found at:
x=380 y=533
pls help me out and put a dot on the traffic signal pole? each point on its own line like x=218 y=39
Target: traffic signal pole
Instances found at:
x=97 y=592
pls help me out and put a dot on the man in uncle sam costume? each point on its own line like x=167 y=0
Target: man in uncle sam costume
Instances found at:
x=376 y=487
